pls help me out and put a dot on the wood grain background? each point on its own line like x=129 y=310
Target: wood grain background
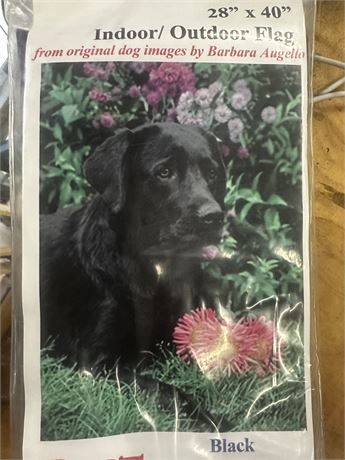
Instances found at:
x=328 y=225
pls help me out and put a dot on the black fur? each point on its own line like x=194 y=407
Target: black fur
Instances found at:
x=118 y=272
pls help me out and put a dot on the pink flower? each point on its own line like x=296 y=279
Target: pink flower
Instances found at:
x=110 y=66
x=171 y=79
x=97 y=95
x=231 y=212
x=134 y=91
x=88 y=69
x=101 y=74
x=243 y=153
x=223 y=348
x=93 y=94
x=200 y=324
x=153 y=98
x=140 y=67
x=218 y=348
x=210 y=252
x=225 y=151
x=107 y=120
x=98 y=71
x=268 y=345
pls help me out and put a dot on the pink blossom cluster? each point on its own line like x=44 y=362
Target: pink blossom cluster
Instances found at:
x=101 y=96
x=99 y=71
x=106 y=120
x=223 y=348
x=169 y=80
x=141 y=67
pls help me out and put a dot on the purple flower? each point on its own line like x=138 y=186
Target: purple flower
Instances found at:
x=140 y=67
x=235 y=127
x=243 y=153
x=104 y=97
x=101 y=74
x=97 y=95
x=186 y=101
x=172 y=79
x=95 y=124
x=107 y=120
x=189 y=118
x=222 y=114
x=239 y=100
x=88 y=69
x=210 y=252
x=110 y=66
x=94 y=94
x=215 y=89
x=134 y=91
x=203 y=98
x=269 y=114
x=200 y=118
x=240 y=85
x=97 y=70
x=153 y=97
x=184 y=117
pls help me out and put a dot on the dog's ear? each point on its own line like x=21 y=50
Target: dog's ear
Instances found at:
x=105 y=169
x=214 y=144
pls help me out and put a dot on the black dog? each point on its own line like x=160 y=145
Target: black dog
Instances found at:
x=118 y=272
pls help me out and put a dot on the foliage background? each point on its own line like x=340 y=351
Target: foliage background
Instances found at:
x=255 y=112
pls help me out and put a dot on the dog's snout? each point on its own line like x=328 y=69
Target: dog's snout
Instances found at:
x=210 y=216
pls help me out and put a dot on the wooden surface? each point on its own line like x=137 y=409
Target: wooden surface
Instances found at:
x=328 y=225
x=328 y=230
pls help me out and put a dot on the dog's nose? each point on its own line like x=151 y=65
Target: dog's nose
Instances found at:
x=210 y=217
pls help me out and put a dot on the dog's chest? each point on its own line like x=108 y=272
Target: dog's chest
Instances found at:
x=157 y=316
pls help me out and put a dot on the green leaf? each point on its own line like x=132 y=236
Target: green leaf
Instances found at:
x=255 y=182
x=57 y=132
x=245 y=210
x=270 y=146
x=65 y=193
x=276 y=200
x=70 y=113
x=68 y=74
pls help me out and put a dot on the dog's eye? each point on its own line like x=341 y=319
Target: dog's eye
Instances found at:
x=164 y=173
x=212 y=174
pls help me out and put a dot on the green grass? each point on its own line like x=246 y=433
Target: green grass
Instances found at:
x=76 y=406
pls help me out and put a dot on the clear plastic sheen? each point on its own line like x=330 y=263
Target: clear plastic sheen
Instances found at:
x=208 y=337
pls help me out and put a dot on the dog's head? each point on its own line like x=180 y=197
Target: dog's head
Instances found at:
x=167 y=181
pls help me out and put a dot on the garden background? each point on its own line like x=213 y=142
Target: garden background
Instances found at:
x=255 y=112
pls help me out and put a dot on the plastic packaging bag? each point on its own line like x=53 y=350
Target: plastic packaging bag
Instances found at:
x=162 y=287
